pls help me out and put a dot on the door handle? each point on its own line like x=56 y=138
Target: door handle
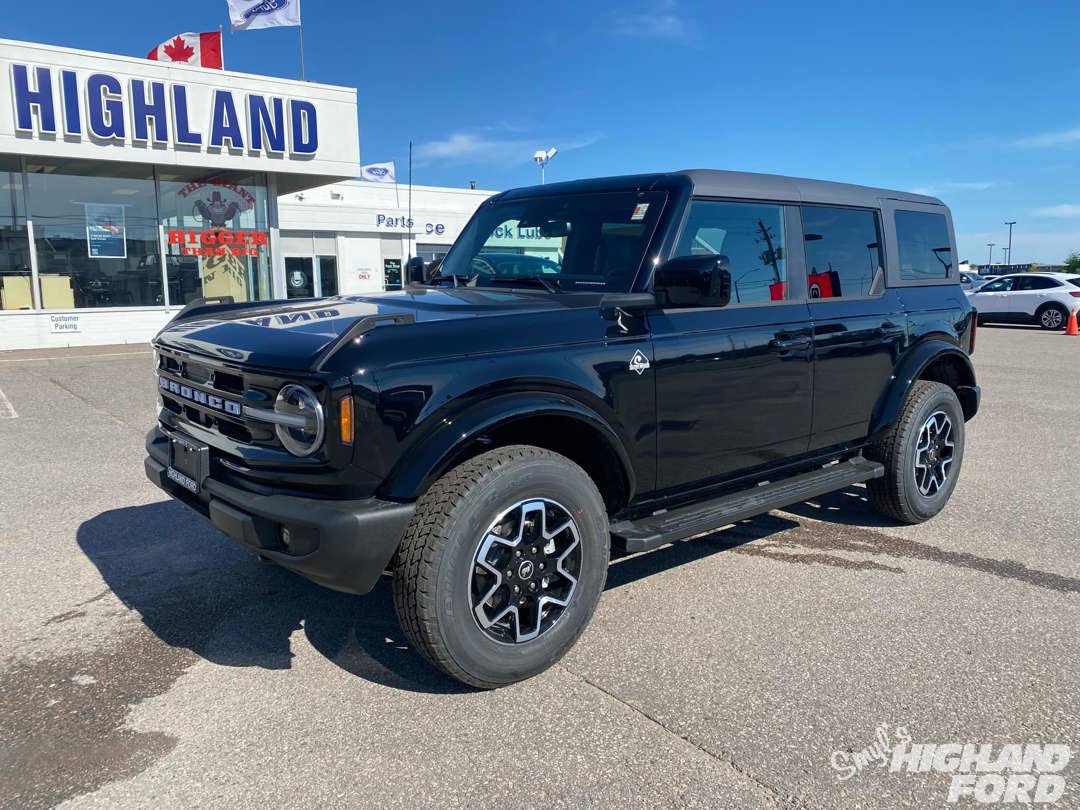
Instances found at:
x=890 y=330
x=796 y=344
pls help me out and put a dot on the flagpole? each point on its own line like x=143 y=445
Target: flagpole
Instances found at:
x=410 y=202
x=303 y=75
x=221 y=39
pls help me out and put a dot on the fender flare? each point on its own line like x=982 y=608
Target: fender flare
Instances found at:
x=915 y=361
x=431 y=454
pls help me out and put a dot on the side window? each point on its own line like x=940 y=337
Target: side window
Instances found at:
x=1035 y=283
x=748 y=238
x=925 y=249
x=1001 y=285
x=844 y=257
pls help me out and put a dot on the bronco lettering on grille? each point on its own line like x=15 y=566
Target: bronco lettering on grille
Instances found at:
x=211 y=401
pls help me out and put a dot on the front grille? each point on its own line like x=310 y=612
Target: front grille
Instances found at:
x=211 y=397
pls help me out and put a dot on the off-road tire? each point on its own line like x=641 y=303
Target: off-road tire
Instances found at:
x=897 y=494
x=436 y=558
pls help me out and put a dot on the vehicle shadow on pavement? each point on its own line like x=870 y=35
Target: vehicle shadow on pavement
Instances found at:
x=195 y=588
x=626 y=569
x=849 y=507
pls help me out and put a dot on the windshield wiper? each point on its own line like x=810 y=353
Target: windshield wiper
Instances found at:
x=539 y=281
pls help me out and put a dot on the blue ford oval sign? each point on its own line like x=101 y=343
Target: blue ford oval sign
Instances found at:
x=266 y=7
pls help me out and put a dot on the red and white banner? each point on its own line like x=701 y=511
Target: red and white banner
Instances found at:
x=200 y=50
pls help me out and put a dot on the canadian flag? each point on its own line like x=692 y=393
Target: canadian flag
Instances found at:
x=201 y=50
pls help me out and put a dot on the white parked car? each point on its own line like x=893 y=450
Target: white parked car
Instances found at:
x=1045 y=299
x=972 y=281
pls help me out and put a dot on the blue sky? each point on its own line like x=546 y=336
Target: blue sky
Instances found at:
x=974 y=102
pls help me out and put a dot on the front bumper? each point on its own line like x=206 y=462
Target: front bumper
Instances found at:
x=344 y=545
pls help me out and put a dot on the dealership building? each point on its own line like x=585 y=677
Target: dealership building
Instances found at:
x=129 y=188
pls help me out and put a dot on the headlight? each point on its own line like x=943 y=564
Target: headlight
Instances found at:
x=301 y=423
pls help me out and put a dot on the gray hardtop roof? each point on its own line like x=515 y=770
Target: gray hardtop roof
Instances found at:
x=716 y=183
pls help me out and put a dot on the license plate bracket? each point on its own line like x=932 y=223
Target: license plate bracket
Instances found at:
x=189 y=463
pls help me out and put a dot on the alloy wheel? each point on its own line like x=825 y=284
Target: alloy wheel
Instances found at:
x=525 y=571
x=1052 y=318
x=934 y=452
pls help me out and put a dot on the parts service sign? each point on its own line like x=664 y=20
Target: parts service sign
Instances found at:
x=64 y=103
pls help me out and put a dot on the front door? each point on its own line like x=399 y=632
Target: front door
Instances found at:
x=733 y=384
x=993 y=298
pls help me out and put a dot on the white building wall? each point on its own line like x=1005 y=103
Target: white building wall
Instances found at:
x=360 y=267
x=96 y=327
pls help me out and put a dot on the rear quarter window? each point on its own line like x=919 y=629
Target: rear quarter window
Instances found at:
x=924 y=246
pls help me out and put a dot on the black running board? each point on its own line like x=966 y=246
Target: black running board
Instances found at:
x=687 y=521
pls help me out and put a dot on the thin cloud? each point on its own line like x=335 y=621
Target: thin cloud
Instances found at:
x=480 y=147
x=954 y=185
x=1065 y=211
x=1047 y=140
x=662 y=22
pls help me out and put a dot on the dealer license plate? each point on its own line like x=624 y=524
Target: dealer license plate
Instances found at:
x=190 y=463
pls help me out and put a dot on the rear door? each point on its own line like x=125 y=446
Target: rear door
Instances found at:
x=859 y=323
x=733 y=384
x=1030 y=293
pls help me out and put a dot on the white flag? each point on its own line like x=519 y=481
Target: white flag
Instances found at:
x=250 y=14
x=379 y=172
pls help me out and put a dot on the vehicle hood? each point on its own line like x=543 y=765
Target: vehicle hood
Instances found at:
x=292 y=335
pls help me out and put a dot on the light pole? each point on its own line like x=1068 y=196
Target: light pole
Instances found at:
x=542 y=157
x=1008 y=255
x=991 y=246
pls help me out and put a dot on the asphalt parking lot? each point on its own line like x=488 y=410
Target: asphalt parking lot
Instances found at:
x=148 y=659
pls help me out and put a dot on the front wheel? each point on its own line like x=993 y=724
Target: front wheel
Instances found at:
x=922 y=453
x=502 y=565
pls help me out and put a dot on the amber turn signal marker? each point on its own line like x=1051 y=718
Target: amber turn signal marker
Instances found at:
x=345 y=421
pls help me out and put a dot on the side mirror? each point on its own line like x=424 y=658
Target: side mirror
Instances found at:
x=693 y=281
x=414 y=270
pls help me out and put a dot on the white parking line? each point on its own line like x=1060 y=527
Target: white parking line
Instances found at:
x=7 y=410
x=72 y=357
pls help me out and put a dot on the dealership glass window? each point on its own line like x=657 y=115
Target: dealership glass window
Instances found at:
x=925 y=249
x=431 y=253
x=748 y=238
x=311 y=276
x=15 y=291
x=217 y=234
x=844 y=258
x=95 y=233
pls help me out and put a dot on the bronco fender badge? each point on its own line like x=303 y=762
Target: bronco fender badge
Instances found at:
x=639 y=363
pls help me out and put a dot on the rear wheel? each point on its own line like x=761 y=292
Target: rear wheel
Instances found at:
x=502 y=565
x=922 y=453
x=1052 y=317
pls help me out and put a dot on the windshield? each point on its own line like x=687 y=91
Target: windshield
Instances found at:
x=592 y=242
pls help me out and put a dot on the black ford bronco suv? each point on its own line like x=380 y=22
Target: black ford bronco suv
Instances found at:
x=600 y=365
